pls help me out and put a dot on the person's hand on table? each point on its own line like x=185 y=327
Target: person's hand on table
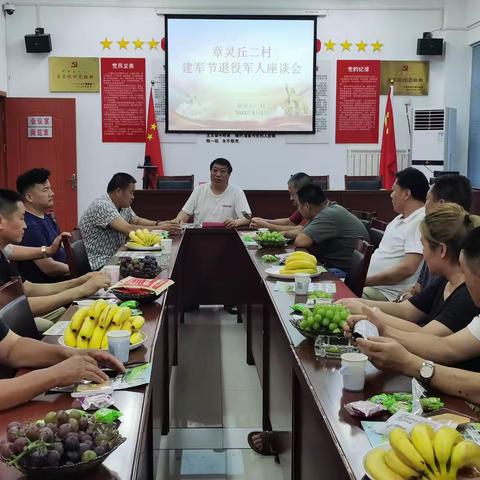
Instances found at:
x=171 y=226
x=230 y=223
x=103 y=358
x=385 y=353
x=77 y=368
x=56 y=244
x=96 y=282
x=258 y=222
x=353 y=304
x=367 y=313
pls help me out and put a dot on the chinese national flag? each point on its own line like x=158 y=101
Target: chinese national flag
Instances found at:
x=388 y=155
x=152 y=142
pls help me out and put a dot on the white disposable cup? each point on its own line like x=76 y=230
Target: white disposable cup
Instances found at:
x=302 y=281
x=113 y=271
x=354 y=368
x=119 y=344
x=167 y=246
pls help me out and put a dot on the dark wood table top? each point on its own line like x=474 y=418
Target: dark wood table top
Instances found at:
x=323 y=379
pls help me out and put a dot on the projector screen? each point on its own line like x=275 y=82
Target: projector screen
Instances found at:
x=240 y=74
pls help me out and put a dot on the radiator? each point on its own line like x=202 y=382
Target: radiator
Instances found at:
x=367 y=162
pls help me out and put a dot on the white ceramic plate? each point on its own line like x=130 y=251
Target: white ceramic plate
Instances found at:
x=142 y=248
x=132 y=347
x=384 y=446
x=274 y=272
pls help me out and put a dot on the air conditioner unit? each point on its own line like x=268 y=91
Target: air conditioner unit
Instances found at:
x=433 y=140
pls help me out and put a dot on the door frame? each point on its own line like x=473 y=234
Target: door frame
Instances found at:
x=3 y=141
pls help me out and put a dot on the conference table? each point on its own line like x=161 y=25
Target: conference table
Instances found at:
x=303 y=399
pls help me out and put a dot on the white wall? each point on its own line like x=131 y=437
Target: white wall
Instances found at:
x=472 y=21
x=3 y=54
x=257 y=163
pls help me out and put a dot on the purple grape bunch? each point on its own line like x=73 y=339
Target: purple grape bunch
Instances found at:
x=61 y=438
x=146 y=267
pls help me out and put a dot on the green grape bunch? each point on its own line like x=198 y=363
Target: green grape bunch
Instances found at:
x=324 y=319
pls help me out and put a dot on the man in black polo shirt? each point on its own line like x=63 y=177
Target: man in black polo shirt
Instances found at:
x=46 y=297
x=57 y=367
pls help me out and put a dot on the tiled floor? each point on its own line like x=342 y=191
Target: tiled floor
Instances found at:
x=215 y=402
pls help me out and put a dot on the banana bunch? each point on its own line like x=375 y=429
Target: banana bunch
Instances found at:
x=299 y=262
x=144 y=238
x=425 y=455
x=89 y=325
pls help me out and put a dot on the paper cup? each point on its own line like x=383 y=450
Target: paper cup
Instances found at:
x=167 y=246
x=113 y=271
x=119 y=344
x=353 y=370
x=302 y=281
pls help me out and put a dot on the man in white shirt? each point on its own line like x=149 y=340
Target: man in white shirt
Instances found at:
x=397 y=261
x=217 y=201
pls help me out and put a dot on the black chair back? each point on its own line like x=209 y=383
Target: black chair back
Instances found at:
x=365 y=217
x=76 y=253
x=362 y=182
x=175 y=182
x=322 y=180
x=377 y=229
x=355 y=279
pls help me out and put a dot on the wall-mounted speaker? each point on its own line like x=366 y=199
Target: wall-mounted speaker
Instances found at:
x=430 y=46
x=38 y=43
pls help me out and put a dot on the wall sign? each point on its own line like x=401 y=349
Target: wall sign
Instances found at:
x=358 y=97
x=409 y=78
x=123 y=100
x=40 y=127
x=73 y=74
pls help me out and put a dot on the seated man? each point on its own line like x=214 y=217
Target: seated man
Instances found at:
x=109 y=219
x=217 y=201
x=57 y=367
x=292 y=225
x=43 y=298
x=397 y=261
x=447 y=188
x=332 y=230
x=35 y=188
x=414 y=354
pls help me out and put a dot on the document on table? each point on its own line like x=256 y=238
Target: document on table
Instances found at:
x=327 y=287
x=133 y=377
x=57 y=328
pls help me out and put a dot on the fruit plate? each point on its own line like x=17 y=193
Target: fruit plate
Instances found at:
x=384 y=446
x=143 y=248
x=61 y=341
x=313 y=334
x=76 y=471
x=274 y=272
x=272 y=243
x=139 y=297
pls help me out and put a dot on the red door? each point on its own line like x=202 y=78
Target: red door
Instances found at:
x=58 y=154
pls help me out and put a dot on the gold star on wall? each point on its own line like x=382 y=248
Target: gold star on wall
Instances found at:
x=106 y=43
x=138 y=44
x=346 y=45
x=153 y=44
x=330 y=45
x=361 y=46
x=377 y=46
x=123 y=43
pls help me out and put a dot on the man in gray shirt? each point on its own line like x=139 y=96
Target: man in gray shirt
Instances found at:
x=332 y=230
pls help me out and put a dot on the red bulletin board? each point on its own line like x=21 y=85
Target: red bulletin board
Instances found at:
x=123 y=100
x=358 y=98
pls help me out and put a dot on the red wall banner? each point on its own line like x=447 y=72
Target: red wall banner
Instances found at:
x=123 y=100
x=358 y=98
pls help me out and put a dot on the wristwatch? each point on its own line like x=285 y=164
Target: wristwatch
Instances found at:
x=44 y=251
x=427 y=371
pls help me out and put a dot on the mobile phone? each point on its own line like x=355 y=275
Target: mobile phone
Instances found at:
x=247 y=215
